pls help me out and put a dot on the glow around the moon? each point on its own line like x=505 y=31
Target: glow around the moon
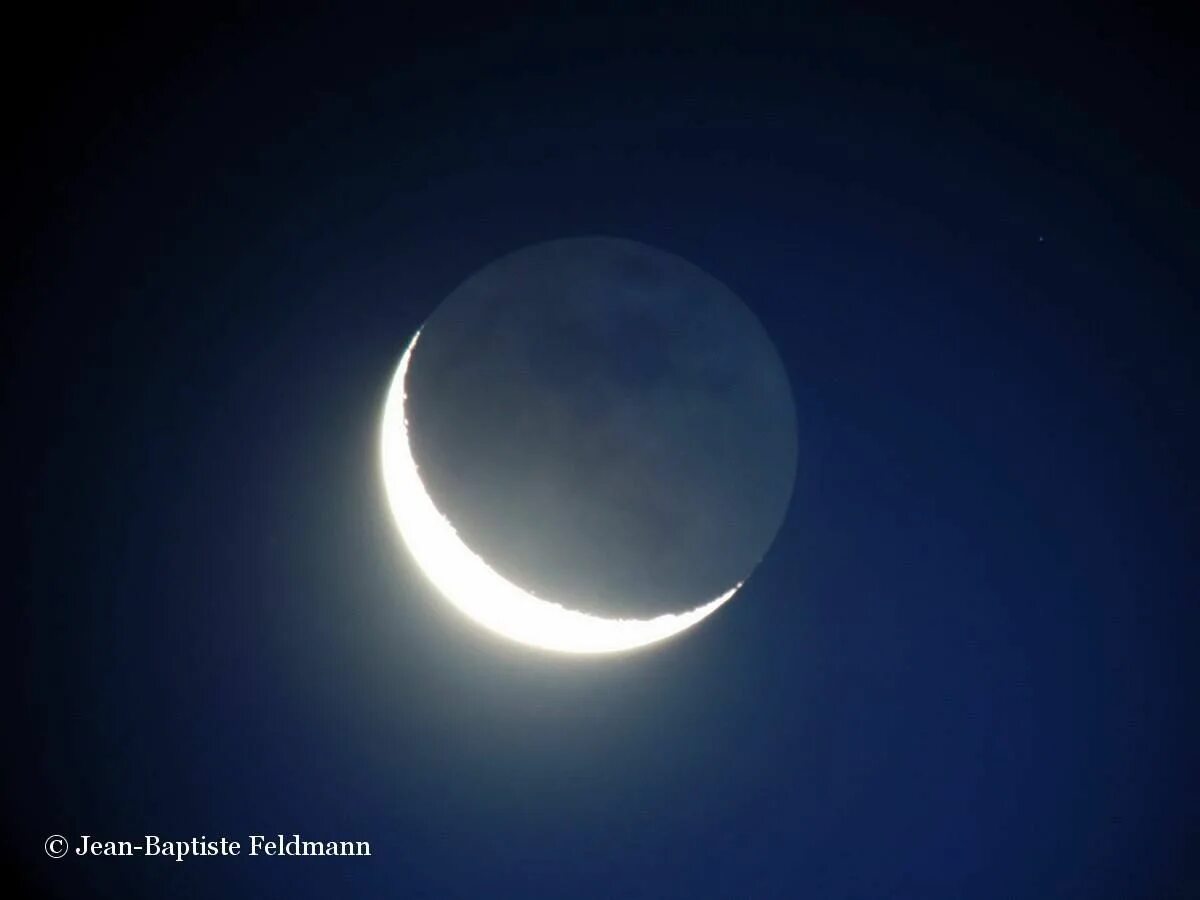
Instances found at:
x=475 y=588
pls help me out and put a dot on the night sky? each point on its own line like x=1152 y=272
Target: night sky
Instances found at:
x=966 y=667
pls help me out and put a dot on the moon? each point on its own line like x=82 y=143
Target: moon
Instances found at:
x=606 y=429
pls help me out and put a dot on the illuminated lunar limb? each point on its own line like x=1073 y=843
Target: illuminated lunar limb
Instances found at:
x=478 y=591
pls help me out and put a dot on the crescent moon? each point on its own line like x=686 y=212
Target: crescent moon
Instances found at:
x=477 y=590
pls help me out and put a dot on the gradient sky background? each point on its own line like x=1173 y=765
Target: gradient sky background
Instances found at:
x=966 y=668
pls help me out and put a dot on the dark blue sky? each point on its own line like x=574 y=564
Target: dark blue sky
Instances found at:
x=965 y=668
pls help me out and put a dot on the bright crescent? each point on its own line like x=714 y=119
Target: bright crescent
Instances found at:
x=476 y=589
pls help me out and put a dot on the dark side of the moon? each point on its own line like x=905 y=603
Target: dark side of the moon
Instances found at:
x=605 y=424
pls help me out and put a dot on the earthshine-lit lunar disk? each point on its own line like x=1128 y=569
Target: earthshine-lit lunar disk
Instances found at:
x=589 y=445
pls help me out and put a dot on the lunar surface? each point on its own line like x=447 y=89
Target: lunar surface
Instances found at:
x=601 y=426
